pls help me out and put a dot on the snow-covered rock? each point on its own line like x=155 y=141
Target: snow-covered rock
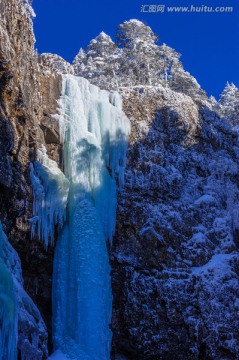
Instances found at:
x=175 y=254
x=56 y=62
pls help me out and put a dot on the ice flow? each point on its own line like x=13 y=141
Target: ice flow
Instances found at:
x=94 y=131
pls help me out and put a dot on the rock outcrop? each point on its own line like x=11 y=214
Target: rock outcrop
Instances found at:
x=28 y=97
x=57 y=63
x=175 y=256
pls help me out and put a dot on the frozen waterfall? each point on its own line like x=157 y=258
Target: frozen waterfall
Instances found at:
x=94 y=131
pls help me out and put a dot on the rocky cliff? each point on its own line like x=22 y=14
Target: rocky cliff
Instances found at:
x=175 y=263
x=175 y=255
x=28 y=96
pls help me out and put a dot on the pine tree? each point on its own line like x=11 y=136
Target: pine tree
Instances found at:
x=79 y=63
x=99 y=62
x=133 y=31
x=137 y=60
x=139 y=50
x=168 y=63
x=228 y=104
x=183 y=82
x=229 y=95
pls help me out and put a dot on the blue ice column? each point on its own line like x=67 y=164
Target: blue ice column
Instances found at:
x=94 y=131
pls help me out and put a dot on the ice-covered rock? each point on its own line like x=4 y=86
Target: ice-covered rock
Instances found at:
x=21 y=324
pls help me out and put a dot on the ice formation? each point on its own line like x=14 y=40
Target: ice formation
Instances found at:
x=26 y=329
x=8 y=309
x=94 y=131
x=50 y=189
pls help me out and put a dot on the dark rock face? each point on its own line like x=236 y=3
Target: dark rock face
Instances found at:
x=6 y=139
x=175 y=254
x=28 y=97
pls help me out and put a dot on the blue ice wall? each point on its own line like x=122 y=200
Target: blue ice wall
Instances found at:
x=94 y=131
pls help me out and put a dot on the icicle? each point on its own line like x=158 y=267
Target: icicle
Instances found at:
x=95 y=132
x=50 y=190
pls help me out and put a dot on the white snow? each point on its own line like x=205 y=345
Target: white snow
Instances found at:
x=136 y=22
x=205 y=199
x=218 y=262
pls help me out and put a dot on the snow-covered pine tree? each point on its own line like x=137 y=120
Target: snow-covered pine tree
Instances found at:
x=133 y=31
x=172 y=73
x=79 y=63
x=137 y=60
x=229 y=94
x=228 y=104
x=168 y=63
x=182 y=81
x=99 y=63
x=137 y=65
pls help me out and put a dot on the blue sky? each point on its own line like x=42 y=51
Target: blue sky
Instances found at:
x=208 y=42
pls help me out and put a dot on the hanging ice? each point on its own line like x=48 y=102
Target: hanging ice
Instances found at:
x=94 y=131
x=8 y=309
x=50 y=190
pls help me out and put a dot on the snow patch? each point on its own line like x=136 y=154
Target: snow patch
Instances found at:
x=205 y=199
